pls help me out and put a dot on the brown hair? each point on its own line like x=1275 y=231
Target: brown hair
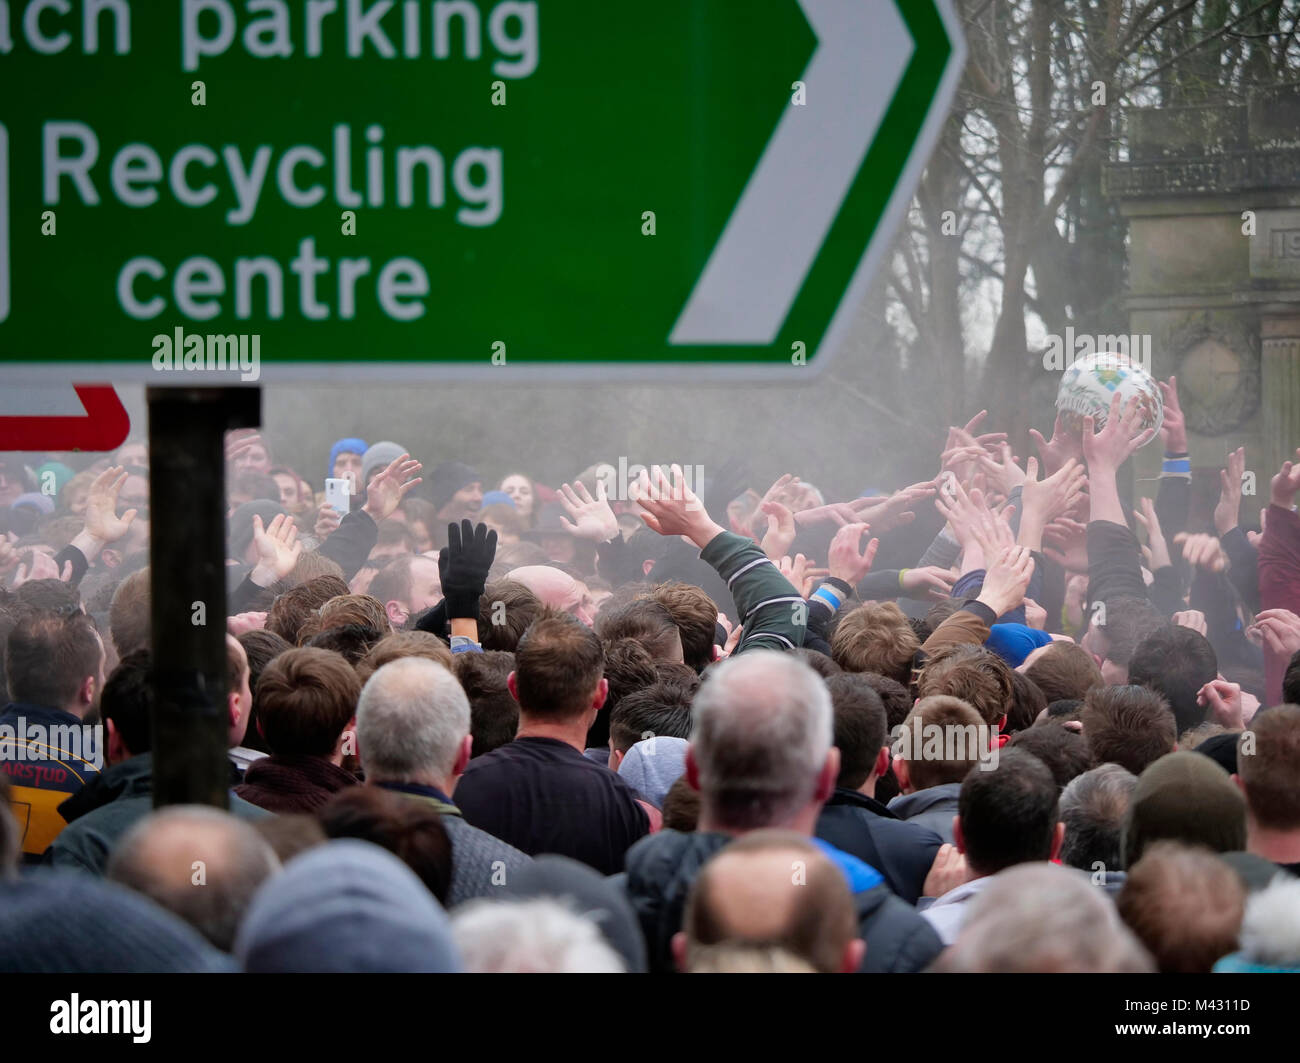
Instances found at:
x=644 y=620
x=291 y=609
x=404 y=644
x=971 y=673
x=49 y=655
x=493 y=711
x=129 y=614
x=410 y=830
x=505 y=611
x=876 y=637
x=1130 y=726
x=558 y=665
x=1185 y=905
x=937 y=710
x=312 y=565
x=359 y=609
x=696 y=617
x=681 y=807
x=1270 y=775
x=305 y=698
x=1065 y=671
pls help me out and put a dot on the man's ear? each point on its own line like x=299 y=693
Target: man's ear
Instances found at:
x=881 y=766
x=826 y=778
x=232 y=707
x=854 y=952
x=116 y=751
x=462 y=756
x=957 y=838
x=647 y=565
x=397 y=613
x=1240 y=785
x=692 y=770
x=616 y=757
x=1058 y=839
x=679 y=951
x=110 y=557
x=512 y=686
x=901 y=774
x=602 y=692
x=86 y=691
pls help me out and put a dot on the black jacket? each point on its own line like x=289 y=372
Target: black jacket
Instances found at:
x=661 y=868
x=862 y=826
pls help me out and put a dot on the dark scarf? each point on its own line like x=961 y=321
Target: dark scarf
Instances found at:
x=286 y=782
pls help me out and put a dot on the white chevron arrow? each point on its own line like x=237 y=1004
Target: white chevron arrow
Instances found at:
x=772 y=238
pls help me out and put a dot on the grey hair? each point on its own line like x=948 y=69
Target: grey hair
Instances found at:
x=539 y=936
x=763 y=725
x=411 y=719
x=199 y=863
x=1093 y=807
x=1042 y=919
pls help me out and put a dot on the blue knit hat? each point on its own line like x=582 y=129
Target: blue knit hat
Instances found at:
x=347 y=445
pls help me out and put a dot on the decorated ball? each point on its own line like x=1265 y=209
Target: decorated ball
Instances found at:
x=1090 y=384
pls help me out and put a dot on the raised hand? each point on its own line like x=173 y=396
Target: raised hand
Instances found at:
x=102 y=521
x=1285 y=484
x=1173 y=431
x=781 y=530
x=1003 y=473
x=593 y=518
x=1069 y=539
x=672 y=508
x=277 y=549
x=463 y=566
x=845 y=560
x=928 y=583
x=1202 y=551
x=1191 y=618
x=41 y=566
x=327 y=520
x=1063 y=446
x=893 y=511
x=1157 y=550
x=1119 y=438
x=1043 y=501
x=241 y=622
x=1279 y=630
x=388 y=488
x=1007 y=579
x=1227 y=513
x=800 y=574
x=1224 y=701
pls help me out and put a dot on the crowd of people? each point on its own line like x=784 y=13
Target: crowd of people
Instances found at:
x=999 y=720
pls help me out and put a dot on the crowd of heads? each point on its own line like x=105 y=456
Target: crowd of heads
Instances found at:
x=486 y=724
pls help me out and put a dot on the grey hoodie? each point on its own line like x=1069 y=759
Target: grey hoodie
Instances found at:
x=933 y=807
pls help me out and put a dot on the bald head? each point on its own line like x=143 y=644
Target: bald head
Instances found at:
x=202 y=864
x=774 y=889
x=762 y=743
x=556 y=589
x=413 y=723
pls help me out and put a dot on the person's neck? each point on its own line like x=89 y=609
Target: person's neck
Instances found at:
x=78 y=710
x=1279 y=846
x=443 y=786
x=804 y=822
x=572 y=732
x=868 y=788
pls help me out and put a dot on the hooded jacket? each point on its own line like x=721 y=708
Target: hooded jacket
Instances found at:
x=861 y=826
x=107 y=808
x=661 y=868
x=934 y=807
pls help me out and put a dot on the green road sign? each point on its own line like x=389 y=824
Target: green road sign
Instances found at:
x=417 y=186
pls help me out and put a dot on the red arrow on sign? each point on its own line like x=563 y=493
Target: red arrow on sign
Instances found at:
x=104 y=427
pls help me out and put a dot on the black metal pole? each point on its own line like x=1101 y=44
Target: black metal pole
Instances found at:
x=187 y=509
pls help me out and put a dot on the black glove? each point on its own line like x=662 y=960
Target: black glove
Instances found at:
x=463 y=565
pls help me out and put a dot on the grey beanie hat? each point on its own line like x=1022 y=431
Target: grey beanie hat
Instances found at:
x=346 y=906
x=377 y=456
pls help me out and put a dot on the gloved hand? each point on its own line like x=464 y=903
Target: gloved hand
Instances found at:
x=463 y=566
